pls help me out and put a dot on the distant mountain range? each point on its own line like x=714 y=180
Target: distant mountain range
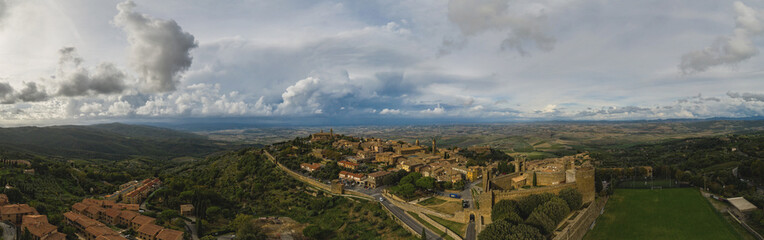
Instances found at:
x=214 y=124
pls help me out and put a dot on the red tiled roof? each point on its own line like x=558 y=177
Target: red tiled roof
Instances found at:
x=55 y=236
x=80 y=207
x=37 y=225
x=17 y=209
x=150 y=229
x=142 y=220
x=378 y=174
x=169 y=234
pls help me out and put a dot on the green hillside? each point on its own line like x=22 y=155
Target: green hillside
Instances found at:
x=109 y=142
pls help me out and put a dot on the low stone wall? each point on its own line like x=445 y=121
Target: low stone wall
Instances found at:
x=578 y=226
x=745 y=225
x=401 y=223
x=515 y=194
x=418 y=209
x=440 y=227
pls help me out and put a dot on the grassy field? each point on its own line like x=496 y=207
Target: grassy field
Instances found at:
x=458 y=228
x=677 y=213
x=432 y=201
x=447 y=207
x=429 y=226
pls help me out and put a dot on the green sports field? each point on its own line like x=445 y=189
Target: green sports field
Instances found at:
x=669 y=213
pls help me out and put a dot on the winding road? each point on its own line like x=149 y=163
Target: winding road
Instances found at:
x=400 y=214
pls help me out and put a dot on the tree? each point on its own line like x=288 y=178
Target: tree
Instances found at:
x=556 y=208
x=426 y=183
x=525 y=232
x=424 y=234
x=410 y=178
x=598 y=185
x=506 y=210
x=405 y=190
x=541 y=221
x=496 y=231
x=572 y=197
x=316 y=232
x=527 y=204
x=212 y=212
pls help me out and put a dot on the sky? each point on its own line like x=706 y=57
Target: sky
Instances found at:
x=84 y=61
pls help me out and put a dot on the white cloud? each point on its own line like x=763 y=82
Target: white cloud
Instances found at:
x=159 y=49
x=434 y=111
x=390 y=111
x=730 y=49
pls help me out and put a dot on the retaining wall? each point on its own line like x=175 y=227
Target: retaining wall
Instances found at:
x=440 y=227
x=578 y=226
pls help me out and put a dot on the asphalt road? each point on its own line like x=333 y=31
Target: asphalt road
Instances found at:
x=471 y=231
x=8 y=231
x=413 y=223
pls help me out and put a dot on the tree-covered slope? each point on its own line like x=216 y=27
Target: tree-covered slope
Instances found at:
x=109 y=141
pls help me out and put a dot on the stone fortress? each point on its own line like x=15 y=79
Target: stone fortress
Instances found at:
x=533 y=177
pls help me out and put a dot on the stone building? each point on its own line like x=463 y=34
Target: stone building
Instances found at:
x=534 y=177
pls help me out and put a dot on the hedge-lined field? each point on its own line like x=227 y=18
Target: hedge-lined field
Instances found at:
x=676 y=213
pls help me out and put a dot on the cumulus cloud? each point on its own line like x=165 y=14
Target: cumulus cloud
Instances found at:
x=159 y=49
x=438 y=110
x=3 y=10
x=748 y=97
x=390 y=111
x=524 y=28
x=315 y=95
x=79 y=81
x=730 y=49
x=30 y=93
x=197 y=100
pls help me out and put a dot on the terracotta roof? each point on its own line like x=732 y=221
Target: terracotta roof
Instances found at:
x=99 y=231
x=37 y=225
x=94 y=210
x=86 y=222
x=112 y=213
x=169 y=234
x=80 y=207
x=55 y=236
x=378 y=174
x=110 y=237
x=17 y=209
x=347 y=163
x=125 y=206
x=71 y=216
x=313 y=166
x=128 y=215
x=150 y=229
x=142 y=220
x=186 y=207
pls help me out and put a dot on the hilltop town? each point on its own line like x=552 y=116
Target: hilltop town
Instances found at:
x=464 y=184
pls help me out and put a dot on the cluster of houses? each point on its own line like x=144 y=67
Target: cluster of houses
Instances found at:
x=29 y=219
x=92 y=218
x=135 y=191
x=441 y=164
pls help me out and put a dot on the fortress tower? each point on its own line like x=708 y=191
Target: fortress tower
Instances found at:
x=585 y=182
x=486 y=179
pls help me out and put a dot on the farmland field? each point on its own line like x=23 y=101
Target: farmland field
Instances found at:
x=676 y=213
